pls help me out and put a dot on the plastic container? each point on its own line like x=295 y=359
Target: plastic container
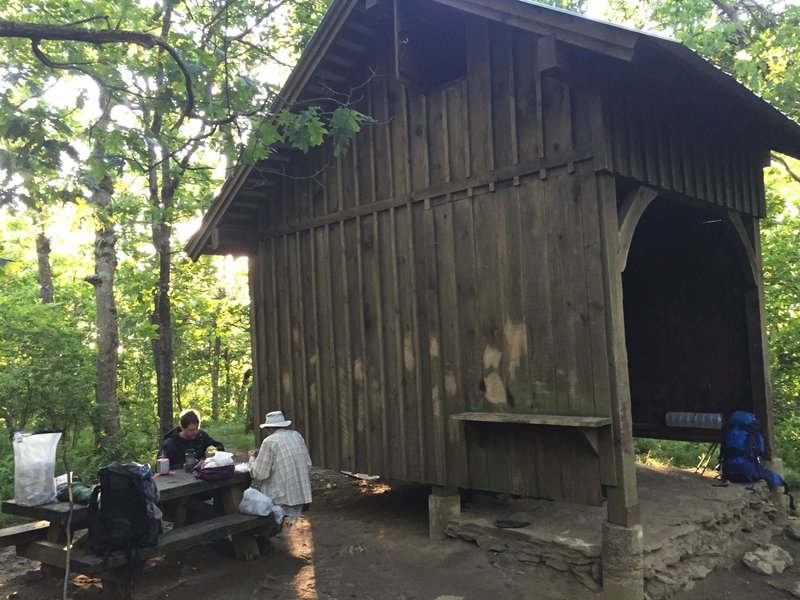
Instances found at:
x=696 y=420
x=190 y=461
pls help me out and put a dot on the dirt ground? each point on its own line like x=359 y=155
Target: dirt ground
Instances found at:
x=363 y=541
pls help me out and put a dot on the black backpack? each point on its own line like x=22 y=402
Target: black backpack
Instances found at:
x=124 y=512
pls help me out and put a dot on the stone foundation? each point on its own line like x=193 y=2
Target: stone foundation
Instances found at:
x=690 y=525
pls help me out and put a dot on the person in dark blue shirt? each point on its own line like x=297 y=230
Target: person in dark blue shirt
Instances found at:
x=188 y=436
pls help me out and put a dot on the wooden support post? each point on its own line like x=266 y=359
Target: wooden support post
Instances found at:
x=623 y=502
x=58 y=534
x=443 y=505
x=181 y=512
x=623 y=559
x=746 y=234
x=245 y=545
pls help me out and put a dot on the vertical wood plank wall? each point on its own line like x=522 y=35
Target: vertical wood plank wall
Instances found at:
x=450 y=262
x=658 y=140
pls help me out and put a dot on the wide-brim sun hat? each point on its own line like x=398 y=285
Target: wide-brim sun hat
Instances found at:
x=275 y=419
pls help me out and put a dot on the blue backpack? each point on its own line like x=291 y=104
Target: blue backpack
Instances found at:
x=742 y=451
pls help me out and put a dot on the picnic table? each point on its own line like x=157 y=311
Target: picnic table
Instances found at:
x=183 y=502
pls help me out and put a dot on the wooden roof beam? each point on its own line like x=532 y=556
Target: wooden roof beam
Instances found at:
x=361 y=29
x=350 y=46
x=339 y=60
x=326 y=75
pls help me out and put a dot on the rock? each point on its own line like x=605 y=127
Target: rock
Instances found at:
x=667 y=580
x=597 y=572
x=558 y=565
x=793 y=589
x=793 y=530
x=587 y=580
x=768 y=560
x=525 y=557
x=656 y=590
x=491 y=545
x=699 y=571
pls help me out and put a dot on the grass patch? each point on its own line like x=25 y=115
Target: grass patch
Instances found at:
x=231 y=434
x=670 y=453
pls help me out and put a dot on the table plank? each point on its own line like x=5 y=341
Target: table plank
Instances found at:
x=57 y=512
x=22 y=534
x=170 y=487
x=183 y=484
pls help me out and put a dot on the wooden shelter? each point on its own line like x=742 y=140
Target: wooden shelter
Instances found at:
x=547 y=240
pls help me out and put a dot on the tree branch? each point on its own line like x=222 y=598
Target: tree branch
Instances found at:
x=782 y=161
x=36 y=32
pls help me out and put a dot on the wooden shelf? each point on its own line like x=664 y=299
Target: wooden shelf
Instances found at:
x=533 y=419
x=588 y=427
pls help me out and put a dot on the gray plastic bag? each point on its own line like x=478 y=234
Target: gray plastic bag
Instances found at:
x=34 y=467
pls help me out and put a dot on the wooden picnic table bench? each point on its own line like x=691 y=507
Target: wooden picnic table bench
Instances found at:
x=181 y=497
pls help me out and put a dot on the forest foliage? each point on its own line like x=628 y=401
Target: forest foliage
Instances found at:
x=160 y=136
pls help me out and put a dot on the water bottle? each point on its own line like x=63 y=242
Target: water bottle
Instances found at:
x=710 y=421
x=680 y=419
x=698 y=420
x=190 y=461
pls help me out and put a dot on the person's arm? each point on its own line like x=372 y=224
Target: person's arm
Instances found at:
x=261 y=467
x=209 y=441
x=202 y=442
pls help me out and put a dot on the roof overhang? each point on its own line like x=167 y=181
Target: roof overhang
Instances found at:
x=652 y=53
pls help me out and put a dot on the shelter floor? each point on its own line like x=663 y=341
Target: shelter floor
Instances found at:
x=692 y=523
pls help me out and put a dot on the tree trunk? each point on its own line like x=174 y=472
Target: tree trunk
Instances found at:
x=226 y=360
x=240 y=397
x=107 y=323
x=45 y=273
x=249 y=421
x=215 y=376
x=162 y=318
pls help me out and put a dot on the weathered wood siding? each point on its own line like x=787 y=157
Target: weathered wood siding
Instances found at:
x=662 y=140
x=449 y=262
x=452 y=261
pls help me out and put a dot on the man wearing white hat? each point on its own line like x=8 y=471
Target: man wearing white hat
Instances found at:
x=280 y=467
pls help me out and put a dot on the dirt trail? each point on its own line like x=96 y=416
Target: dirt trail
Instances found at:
x=359 y=541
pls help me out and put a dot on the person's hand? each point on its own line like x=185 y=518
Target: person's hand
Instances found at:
x=253 y=453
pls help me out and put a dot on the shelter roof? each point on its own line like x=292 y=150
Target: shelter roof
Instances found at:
x=350 y=28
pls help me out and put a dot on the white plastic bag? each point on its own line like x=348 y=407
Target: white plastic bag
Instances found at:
x=255 y=503
x=34 y=468
x=222 y=459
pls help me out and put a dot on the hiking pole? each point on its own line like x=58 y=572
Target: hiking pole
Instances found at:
x=69 y=524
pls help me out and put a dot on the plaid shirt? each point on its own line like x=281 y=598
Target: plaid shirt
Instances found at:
x=281 y=468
